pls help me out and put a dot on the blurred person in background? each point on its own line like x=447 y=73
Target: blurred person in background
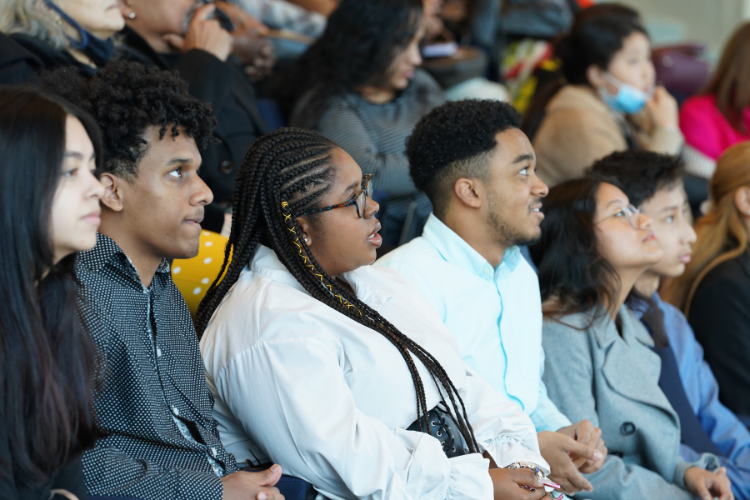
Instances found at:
x=180 y=35
x=360 y=85
x=714 y=292
x=720 y=116
x=606 y=102
x=37 y=35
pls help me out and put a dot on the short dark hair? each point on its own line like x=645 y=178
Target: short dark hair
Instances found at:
x=640 y=174
x=453 y=141
x=126 y=98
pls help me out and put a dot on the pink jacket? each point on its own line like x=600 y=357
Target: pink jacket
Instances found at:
x=706 y=129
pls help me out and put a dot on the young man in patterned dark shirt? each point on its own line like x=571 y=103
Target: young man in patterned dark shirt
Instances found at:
x=159 y=439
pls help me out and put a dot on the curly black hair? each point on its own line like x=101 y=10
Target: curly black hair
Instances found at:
x=455 y=140
x=126 y=98
x=360 y=42
x=640 y=174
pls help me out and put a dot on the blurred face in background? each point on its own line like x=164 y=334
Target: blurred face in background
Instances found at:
x=632 y=64
x=101 y=18
x=405 y=63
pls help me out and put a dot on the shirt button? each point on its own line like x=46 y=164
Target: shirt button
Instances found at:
x=226 y=167
x=175 y=411
x=627 y=429
x=158 y=352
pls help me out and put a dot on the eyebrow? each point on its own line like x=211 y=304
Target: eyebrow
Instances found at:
x=352 y=186
x=522 y=158
x=616 y=201
x=177 y=161
x=73 y=154
x=670 y=208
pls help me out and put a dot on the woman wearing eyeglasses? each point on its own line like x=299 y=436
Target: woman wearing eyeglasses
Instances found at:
x=337 y=370
x=600 y=364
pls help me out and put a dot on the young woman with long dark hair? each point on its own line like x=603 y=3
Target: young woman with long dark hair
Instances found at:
x=360 y=85
x=600 y=362
x=336 y=369
x=606 y=100
x=49 y=210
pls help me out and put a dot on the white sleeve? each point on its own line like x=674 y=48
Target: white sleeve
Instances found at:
x=500 y=425
x=291 y=397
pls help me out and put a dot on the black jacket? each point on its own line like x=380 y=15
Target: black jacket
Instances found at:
x=720 y=316
x=232 y=97
x=23 y=57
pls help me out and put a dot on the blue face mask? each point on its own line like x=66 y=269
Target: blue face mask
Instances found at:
x=98 y=50
x=628 y=100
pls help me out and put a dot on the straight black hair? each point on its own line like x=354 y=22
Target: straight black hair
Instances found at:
x=570 y=267
x=360 y=42
x=47 y=361
x=285 y=173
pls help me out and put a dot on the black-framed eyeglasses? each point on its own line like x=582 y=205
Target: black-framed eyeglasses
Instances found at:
x=359 y=200
x=630 y=213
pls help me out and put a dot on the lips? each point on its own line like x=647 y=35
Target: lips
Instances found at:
x=93 y=217
x=649 y=237
x=686 y=258
x=374 y=238
x=536 y=209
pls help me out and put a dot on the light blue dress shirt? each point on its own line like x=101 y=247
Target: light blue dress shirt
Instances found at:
x=494 y=314
x=723 y=427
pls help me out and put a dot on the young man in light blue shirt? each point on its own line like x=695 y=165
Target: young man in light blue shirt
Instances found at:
x=478 y=169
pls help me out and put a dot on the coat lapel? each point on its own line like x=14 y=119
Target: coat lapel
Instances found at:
x=631 y=367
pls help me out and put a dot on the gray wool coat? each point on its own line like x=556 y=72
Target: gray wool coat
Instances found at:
x=594 y=373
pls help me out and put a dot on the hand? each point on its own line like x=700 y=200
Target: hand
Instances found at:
x=557 y=448
x=585 y=433
x=244 y=23
x=205 y=34
x=256 y=55
x=663 y=109
x=707 y=485
x=510 y=484
x=252 y=485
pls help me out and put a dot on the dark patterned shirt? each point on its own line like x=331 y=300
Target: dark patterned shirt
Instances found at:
x=160 y=439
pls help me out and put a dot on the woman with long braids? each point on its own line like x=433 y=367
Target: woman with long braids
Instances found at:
x=337 y=370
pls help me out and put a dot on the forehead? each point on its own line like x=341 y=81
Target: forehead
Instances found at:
x=76 y=137
x=163 y=150
x=347 y=170
x=668 y=197
x=636 y=42
x=511 y=144
x=609 y=195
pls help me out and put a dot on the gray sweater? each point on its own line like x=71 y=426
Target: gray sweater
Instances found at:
x=375 y=135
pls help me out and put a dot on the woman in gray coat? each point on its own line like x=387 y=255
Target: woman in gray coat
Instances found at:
x=599 y=362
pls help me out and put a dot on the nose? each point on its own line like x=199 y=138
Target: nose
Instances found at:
x=415 y=56
x=540 y=189
x=202 y=194
x=96 y=189
x=644 y=221
x=691 y=236
x=371 y=208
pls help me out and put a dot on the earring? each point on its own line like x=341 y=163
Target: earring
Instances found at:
x=307 y=241
x=131 y=16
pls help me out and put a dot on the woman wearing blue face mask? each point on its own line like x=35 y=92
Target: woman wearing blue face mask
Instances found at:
x=606 y=101
x=45 y=34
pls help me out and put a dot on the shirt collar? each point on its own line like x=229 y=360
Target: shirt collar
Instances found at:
x=107 y=251
x=455 y=250
x=267 y=263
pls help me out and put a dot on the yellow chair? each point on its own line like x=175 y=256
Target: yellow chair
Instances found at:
x=194 y=276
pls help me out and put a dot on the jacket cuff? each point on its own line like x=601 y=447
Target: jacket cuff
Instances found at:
x=707 y=461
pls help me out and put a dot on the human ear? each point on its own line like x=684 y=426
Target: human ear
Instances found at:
x=113 y=195
x=742 y=200
x=469 y=191
x=595 y=76
x=304 y=228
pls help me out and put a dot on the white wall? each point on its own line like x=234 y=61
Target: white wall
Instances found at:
x=709 y=22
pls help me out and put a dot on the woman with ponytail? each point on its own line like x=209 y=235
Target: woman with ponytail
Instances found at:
x=339 y=371
x=714 y=292
x=606 y=99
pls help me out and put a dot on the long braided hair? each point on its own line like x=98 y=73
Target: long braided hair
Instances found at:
x=285 y=173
